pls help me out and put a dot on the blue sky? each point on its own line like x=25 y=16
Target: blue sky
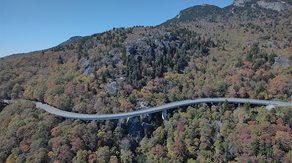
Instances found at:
x=29 y=25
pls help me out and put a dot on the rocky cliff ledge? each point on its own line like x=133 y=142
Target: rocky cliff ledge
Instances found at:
x=276 y=5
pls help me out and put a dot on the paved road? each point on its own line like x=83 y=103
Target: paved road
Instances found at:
x=155 y=109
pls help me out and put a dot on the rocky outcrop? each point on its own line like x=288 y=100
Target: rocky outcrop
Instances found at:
x=85 y=63
x=271 y=44
x=88 y=70
x=117 y=59
x=278 y=6
x=114 y=52
x=158 y=51
x=112 y=87
x=166 y=44
x=280 y=61
x=159 y=44
x=120 y=80
x=169 y=37
x=185 y=46
x=136 y=129
x=140 y=43
x=129 y=50
x=106 y=60
x=240 y=3
x=154 y=44
x=148 y=50
x=138 y=57
x=155 y=36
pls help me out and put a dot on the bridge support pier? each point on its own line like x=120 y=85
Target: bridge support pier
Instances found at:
x=238 y=105
x=164 y=115
x=120 y=123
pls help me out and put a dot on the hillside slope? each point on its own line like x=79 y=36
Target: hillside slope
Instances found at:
x=242 y=50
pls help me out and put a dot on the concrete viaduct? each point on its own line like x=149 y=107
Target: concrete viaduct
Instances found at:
x=161 y=108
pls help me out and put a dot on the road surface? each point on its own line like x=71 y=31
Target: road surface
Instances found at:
x=155 y=109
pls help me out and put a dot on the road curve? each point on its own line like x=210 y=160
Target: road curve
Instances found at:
x=155 y=109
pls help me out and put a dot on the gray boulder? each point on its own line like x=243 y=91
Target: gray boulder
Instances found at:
x=129 y=50
x=252 y=6
x=106 y=60
x=138 y=57
x=112 y=87
x=185 y=46
x=88 y=71
x=280 y=61
x=85 y=63
x=169 y=37
x=278 y=6
x=117 y=59
x=114 y=52
x=166 y=44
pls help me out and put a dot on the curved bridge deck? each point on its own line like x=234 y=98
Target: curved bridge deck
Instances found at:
x=155 y=109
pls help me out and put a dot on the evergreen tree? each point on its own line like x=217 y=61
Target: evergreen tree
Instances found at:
x=255 y=147
x=60 y=60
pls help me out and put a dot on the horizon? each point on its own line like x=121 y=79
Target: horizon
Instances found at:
x=28 y=26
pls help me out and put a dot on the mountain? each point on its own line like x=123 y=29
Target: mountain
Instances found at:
x=69 y=41
x=241 y=51
x=211 y=13
x=191 y=14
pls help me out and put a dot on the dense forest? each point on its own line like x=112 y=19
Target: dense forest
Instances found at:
x=193 y=134
x=244 y=55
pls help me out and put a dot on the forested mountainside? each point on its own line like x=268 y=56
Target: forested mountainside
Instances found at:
x=243 y=50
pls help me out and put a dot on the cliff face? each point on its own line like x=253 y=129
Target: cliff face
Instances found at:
x=276 y=5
